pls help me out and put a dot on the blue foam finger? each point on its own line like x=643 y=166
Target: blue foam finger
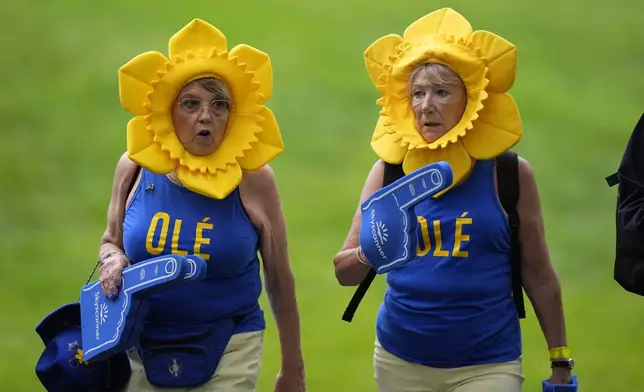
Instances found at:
x=196 y=268
x=110 y=326
x=572 y=387
x=387 y=233
x=154 y=274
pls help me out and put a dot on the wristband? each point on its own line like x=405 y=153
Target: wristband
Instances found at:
x=109 y=255
x=361 y=257
x=559 y=352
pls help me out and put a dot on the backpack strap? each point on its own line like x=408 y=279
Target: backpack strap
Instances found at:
x=392 y=173
x=507 y=172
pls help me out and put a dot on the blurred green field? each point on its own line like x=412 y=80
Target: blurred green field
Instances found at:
x=578 y=88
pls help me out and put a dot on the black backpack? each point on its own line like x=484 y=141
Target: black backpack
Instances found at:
x=507 y=171
x=629 y=250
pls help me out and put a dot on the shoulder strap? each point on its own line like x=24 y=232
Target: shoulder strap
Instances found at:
x=392 y=173
x=136 y=176
x=507 y=172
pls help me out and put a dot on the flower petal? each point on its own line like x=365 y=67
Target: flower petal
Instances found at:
x=135 y=80
x=258 y=63
x=197 y=36
x=403 y=119
x=474 y=106
x=142 y=149
x=501 y=59
x=377 y=56
x=241 y=132
x=171 y=144
x=455 y=154
x=497 y=129
x=445 y=21
x=269 y=143
x=386 y=145
x=217 y=185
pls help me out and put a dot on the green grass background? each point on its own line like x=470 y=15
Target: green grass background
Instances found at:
x=579 y=89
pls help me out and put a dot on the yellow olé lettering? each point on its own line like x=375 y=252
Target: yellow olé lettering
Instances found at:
x=425 y=234
x=199 y=238
x=439 y=240
x=176 y=233
x=164 y=218
x=459 y=237
x=425 y=245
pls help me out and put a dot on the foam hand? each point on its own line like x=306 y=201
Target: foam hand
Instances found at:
x=572 y=387
x=388 y=230
x=111 y=326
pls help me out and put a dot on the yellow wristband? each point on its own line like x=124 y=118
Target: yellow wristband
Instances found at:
x=559 y=352
x=361 y=257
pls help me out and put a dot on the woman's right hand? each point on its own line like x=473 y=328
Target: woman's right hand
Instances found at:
x=110 y=276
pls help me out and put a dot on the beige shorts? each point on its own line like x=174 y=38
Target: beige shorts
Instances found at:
x=238 y=369
x=393 y=374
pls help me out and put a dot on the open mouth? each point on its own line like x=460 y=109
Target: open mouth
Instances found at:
x=431 y=124
x=204 y=133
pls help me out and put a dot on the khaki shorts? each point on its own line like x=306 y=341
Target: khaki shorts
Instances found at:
x=238 y=369
x=393 y=374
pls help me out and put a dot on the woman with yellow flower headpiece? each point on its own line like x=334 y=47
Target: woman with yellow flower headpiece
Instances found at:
x=195 y=180
x=448 y=321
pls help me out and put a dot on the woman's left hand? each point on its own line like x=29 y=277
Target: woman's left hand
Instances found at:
x=290 y=381
x=560 y=376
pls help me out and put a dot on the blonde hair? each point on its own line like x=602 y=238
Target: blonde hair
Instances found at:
x=217 y=87
x=437 y=73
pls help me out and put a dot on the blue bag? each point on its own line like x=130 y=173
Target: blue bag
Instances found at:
x=184 y=355
x=388 y=231
x=112 y=326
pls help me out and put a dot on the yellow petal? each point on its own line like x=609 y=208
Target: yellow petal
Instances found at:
x=138 y=136
x=387 y=146
x=142 y=149
x=241 y=132
x=458 y=58
x=170 y=143
x=445 y=21
x=269 y=143
x=218 y=185
x=471 y=113
x=135 y=79
x=377 y=56
x=197 y=37
x=501 y=59
x=497 y=129
x=454 y=154
x=402 y=116
x=259 y=63
x=160 y=123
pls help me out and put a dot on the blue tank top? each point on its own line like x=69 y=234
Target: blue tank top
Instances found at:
x=452 y=305
x=165 y=218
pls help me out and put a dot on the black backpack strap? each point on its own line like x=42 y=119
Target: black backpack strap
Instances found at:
x=507 y=172
x=136 y=176
x=392 y=173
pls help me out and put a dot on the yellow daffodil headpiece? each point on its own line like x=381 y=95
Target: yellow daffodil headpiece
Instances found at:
x=484 y=61
x=149 y=83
